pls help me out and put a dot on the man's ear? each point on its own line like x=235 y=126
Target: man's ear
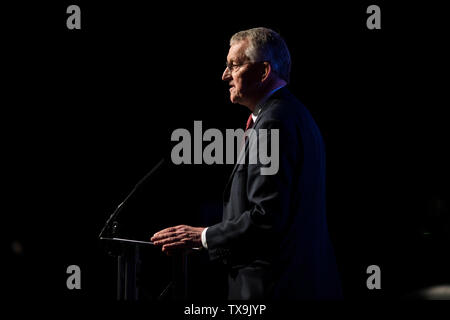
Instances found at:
x=266 y=71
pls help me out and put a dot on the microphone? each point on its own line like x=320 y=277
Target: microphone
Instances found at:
x=121 y=205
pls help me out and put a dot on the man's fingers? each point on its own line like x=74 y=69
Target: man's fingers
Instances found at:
x=163 y=236
x=183 y=244
x=168 y=240
x=168 y=232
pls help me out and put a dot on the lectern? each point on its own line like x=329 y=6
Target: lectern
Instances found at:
x=127 y=254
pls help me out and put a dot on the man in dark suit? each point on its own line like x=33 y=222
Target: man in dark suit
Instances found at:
x=273 y=236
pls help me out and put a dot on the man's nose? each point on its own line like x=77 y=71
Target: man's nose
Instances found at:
x=226 y=76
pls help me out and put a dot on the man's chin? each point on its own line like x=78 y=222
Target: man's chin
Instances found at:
x=234 y=99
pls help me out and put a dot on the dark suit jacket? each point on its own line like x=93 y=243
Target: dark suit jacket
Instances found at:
x=274 y=237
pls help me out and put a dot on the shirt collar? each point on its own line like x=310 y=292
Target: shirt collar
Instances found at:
x=259 y=104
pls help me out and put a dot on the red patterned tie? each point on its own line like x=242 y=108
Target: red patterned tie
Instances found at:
x=247 y=126
x=249 y=122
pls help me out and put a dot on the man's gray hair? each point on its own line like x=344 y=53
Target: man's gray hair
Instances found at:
x=266 y=45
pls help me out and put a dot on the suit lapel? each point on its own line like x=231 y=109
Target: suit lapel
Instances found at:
x=245 y=150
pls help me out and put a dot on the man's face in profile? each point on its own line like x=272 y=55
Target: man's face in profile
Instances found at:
x=241 y=75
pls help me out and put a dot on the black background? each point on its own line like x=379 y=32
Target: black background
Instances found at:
x=86 y=113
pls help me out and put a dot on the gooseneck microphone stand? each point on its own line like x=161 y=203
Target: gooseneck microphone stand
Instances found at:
x=127 y=250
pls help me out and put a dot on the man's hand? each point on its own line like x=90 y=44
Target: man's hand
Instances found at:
x=179 y=237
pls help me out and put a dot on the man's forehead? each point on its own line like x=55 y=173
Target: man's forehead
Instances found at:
x=237 y=50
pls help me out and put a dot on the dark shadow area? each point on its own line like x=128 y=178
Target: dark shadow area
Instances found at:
x=87 y=114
